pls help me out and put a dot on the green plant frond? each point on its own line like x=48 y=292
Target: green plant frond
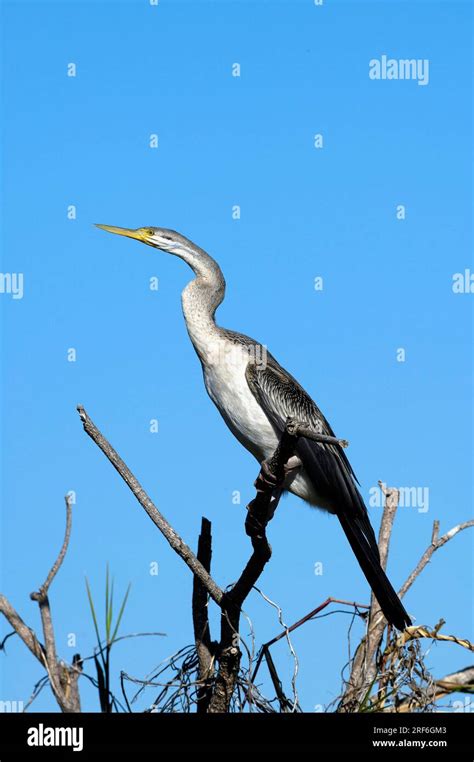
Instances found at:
x=366 y=705
x=109 y=614
x=94 y=617
x=107 y=602
x=120 y=614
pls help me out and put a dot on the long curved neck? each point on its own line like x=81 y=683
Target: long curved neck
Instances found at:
x=201 y=298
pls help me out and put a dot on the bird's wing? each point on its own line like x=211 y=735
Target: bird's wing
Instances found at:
x=327 y=466
x=281 y=396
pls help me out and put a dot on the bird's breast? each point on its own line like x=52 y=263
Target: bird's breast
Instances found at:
x=227 y=386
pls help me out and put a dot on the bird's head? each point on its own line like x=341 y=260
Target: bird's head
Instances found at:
x=175 y=243
x=159 y=238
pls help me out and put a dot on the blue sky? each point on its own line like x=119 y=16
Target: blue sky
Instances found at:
x=305 y=213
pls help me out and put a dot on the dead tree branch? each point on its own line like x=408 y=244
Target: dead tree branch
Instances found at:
x=462 y=681
x=436 y=543
x=416 y=633
x=202 y=635
x=456 y=682
x=158 y=519
x=27 y=635
x=43 y=591
x=261 y=509
x=41 y=597
x=63 y=678
x=364 y=666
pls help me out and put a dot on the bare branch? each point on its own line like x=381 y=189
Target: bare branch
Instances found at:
x=364 y=665
x=43 y=591
x=457 y=681
x=436 y=543
x=388 y=517
x=315 y=612
x=45 y=610
x=62 y=677
x=27 y=635
x=300 y=429
x=269 y=486
x=202 y=635
x=2 y=642
x=178 y=545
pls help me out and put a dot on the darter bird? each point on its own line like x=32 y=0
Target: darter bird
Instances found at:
x=256 y=396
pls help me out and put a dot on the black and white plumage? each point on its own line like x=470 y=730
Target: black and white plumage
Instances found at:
x=255 y=396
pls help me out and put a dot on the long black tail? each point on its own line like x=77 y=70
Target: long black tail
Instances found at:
x=333 y=479
x=366 y=552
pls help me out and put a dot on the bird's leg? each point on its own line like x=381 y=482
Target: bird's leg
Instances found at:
x=278 y=471
x=270 y=483
x=290 y=469
x=292 y=464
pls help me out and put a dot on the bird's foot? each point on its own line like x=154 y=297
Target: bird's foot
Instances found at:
x=267 y=479
x=292 y=465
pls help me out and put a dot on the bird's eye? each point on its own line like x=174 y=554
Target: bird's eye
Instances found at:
x=151 y=232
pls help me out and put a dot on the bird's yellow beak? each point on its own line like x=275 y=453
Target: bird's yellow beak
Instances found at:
x=139 y=234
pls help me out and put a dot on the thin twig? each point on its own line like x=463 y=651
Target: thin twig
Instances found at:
x=43 y=591
x=457 y=682
x=300 y=429
x=415 y=633
x=313 y=613
x=41 y=596
x=27 y=635
x=436 y=543
x=63 y=678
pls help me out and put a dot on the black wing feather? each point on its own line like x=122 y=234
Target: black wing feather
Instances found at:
x=327 y=466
